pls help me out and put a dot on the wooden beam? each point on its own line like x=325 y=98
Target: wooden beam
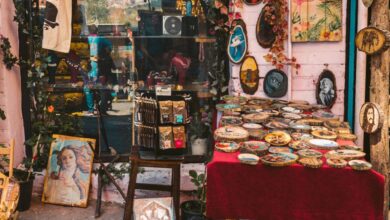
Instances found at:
x=379 y=93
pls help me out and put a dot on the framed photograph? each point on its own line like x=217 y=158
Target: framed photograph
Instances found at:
x=154 y=209
x=69 y=170
x=326 y=91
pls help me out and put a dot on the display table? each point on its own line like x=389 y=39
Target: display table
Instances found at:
x=236 y=190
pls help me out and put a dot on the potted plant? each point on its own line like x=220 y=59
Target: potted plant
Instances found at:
x=199 y=133
x=195 y=209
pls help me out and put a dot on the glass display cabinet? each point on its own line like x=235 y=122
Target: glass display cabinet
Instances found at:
x=143 y=65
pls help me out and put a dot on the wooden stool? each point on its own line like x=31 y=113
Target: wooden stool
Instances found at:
x=174 y=188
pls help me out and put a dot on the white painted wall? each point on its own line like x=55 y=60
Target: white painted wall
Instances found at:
x=311 y=56
x=10 y=85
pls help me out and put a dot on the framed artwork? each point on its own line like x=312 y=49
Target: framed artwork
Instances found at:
x=371 y=117
x=316 y=20
x=69 y=171
x=153 y=209
x=106 y=12
x=326 y=91
x=275 y=83
x=249 y=75
x=238 y=42
x=264 y=33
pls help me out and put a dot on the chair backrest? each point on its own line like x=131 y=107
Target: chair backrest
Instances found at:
x=10 y=152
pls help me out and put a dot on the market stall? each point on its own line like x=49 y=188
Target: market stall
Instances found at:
x=305 y=168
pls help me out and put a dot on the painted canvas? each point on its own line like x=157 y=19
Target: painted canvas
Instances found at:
x=154 y=209
x=238 y=43
x=69 y=171
x=116 y=12
x=316 y=20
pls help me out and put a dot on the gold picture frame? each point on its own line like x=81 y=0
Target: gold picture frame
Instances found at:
x=69 y=171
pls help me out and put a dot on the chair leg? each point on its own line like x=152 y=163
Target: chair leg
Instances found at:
x=176 y=189
x=131 y=191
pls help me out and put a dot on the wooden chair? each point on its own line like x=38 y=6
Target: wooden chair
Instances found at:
x=174 y=188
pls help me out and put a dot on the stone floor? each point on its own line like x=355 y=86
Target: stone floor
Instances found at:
x=40 y=211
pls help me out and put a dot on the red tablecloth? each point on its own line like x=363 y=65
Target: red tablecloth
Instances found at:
x=236 y=190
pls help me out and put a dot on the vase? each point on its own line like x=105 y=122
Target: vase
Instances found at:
x=199 y=146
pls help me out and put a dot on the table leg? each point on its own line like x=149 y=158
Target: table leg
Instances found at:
x=99 y=193
x=131 y=190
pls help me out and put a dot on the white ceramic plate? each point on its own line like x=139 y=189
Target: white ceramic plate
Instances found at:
x=360 y=165
x=323 y=144
x=250 y=159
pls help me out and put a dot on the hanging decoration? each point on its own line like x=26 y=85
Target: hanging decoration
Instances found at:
x=316 y=20
x=249 y=75
x=275 y=83
x=238 y=42
x=326 y=91
x=371 y=117
x=367 y=3
x=264 y=27
x=372 y=40
x=253 y=2
x=278 y=20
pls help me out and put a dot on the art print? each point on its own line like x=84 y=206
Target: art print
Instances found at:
x=326 y=91
x=154 y=209
x=275 y=83
x=238 y=42
x=69 y=171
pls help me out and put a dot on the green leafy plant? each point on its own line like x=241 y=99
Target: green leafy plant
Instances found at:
x=198 y=128
x=198 y=205
x=8 y=58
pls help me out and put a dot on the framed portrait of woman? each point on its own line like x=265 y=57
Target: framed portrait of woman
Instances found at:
x=69 y=171
x=326 y=91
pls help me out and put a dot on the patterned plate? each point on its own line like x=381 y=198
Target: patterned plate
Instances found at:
x=299 y=145
x=345 y=154
x=336 y=163
x=323 y=134
x=359 y=165
x=230 y=134
x=310 y=162
x=309 y=153
x=254 y=147
x=280 y=150
x=278 y=138
x=279 y=159
x=227 y=147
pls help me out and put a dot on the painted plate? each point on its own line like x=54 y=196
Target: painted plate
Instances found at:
x=249 y=75
x=323 y=134
x=254 y=147
x=309 y=153
x=230 y=134
x=291 y=110
x=279 y=159
x=297 y=136
x=319 y=128
x=278 y=123
x=260 y=101
x=359 y=165
x=323 y=144
x=250 y=159
x=278 y=138
x=257 y=134
x=228 y=107
x=275 y=83
x=264 y=33
x=345 y=154
x=336 y=163
x=291 y=116
x=299 y=145
x=234 y=99
x=227 y=147
x=311 y=162
x=231 y=120
x=255 y=117
x=280 y=150
x=252 y=126
x=300 y=127
x=238 y=43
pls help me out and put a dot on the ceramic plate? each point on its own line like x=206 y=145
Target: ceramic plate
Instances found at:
x=345 y=154
x=279 y=159
x=277 y=124
x=251 y=126
x=234 y=99
x=299 y=145
x=227 y=147
x=259 y=101
x=250 y=159
x=291 y=110
x=255 y=117
x=301 y=136
x=257 y=134
x=359 y=165
x=323 y=144
x=336 y=163
x=254 y=147
x=231 y=133
x=322 y=134
x=278 y=138
x=228 y=107
x=309 y=153
x=280 y=150
x=291 y=116
x=310 y=162
x=319 y=128
x=300 y=127
x=231 y=120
